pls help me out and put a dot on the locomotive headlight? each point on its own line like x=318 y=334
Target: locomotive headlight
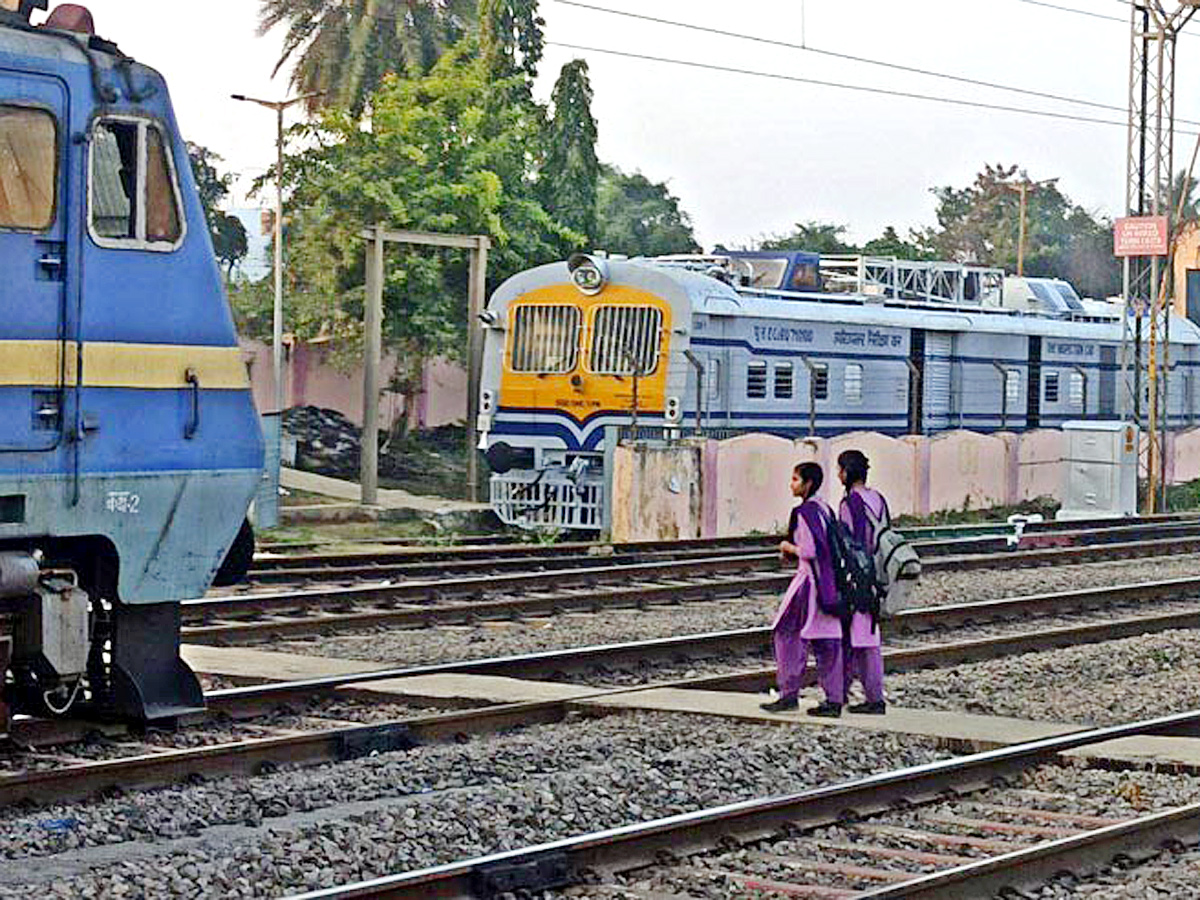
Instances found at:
x=674 y=411
x=589 y=273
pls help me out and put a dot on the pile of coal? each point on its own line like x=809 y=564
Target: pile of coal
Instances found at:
x=326 y=441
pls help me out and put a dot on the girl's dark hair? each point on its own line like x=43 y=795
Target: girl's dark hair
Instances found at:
x=812 y=473
x=854 y=464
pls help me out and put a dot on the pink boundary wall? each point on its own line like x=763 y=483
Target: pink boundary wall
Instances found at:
x=740 y=486
x=312 y=380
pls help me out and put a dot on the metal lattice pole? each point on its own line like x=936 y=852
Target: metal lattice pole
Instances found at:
x=1149 y=173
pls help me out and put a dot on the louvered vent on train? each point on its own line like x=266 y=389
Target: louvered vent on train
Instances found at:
x=625 y=340
x=545 y=339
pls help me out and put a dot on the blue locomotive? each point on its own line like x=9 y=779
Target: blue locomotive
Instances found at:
x=129 y=443
x=789 y=343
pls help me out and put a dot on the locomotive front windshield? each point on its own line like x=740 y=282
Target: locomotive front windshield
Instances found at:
x=27 y=167
x=133 y=192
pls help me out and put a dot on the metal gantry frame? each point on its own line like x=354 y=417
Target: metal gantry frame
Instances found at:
x=377 y=238
x=1149 y=174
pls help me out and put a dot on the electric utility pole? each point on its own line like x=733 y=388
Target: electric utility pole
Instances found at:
x=1149 y=170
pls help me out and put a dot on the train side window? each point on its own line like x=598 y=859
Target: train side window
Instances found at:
x=820 y=381
x=712 y=374
x=28 y=166
x=133 y=195
x=756 y=380
x=1076 y=387
x=1012 y=386
x=783 y=381
x=1050 y=387
x=853 y=383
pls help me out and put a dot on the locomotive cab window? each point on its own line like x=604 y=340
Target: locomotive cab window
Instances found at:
x=28 y=142
x=133 y=196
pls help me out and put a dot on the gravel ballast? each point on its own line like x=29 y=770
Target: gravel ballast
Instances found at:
x=1060 y=790
x=432 y=645
x=1095 y=684
x=301 y=829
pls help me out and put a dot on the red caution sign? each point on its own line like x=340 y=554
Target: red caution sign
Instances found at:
x=1140 y=236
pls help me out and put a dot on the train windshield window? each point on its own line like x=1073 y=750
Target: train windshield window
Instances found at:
x=162 y=215
x=625 y=340
x=783 y=381
x=756 y=380
x=806 y=277
x=28 y=138
x=766 y=273
x=1050 y=394
x=134 y=198
x=1069 y=296
x=854 y=383
x=545 y=339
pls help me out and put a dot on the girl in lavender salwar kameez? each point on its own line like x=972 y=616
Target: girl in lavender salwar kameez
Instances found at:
x=799 y=622
x=864 y=657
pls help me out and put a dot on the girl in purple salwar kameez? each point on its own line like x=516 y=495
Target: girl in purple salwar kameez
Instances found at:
x=864 y=657
x=799 y=622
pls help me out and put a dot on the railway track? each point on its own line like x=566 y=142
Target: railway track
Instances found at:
x=940 y=853
x=592 y=587
x=422 y=562
x=76 y=780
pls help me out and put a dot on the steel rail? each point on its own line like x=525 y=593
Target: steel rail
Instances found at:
x=271 y=550
x=747 y=640
x=561 y=863
x=1030 y=867
x=934 y=540
x=368 y=567
x=251 y=756
x=414 y=592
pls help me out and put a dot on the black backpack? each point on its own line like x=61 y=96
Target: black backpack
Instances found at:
x=854 y=571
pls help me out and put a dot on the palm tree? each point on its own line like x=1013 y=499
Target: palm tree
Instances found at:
x=344 y=48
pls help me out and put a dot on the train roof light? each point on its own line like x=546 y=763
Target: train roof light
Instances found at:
x=71 y=17
x=589 y=273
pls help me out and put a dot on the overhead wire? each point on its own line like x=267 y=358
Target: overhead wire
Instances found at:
x=806 y=48
x=912 y=95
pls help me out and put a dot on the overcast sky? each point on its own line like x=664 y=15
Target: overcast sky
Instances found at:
x=749 y=155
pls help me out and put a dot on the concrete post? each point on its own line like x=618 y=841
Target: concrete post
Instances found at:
x=476 y=302
x=372 y=353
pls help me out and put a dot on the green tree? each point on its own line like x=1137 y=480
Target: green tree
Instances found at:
x=817 y=237
x=227 y=232
x=433 y=160
x=571 y=172
x=343 y=48
x=891 y=244
x=511 y=37
x=981 y=224
x=639 y=217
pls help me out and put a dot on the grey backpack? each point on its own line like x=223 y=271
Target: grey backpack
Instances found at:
x=897 y=565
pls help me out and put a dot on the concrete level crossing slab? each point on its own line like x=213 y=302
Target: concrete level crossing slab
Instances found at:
x=478 y=688
x=267 y=665
x=1176 y=753
x=962 y=731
